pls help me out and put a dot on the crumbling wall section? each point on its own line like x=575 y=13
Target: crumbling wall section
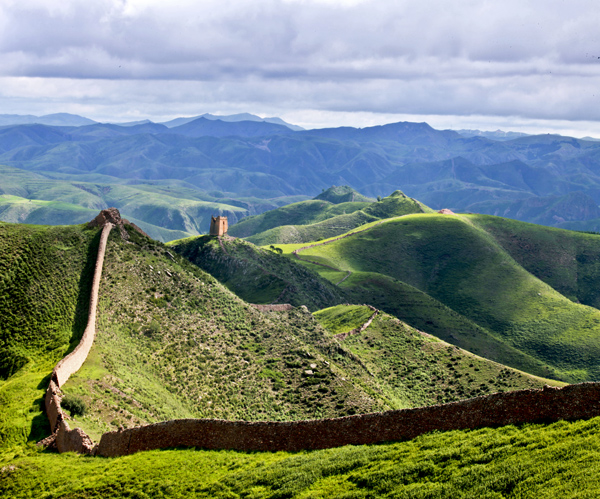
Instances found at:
x=572 y=402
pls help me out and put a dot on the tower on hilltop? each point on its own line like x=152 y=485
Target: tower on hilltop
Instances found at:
x=218 y=226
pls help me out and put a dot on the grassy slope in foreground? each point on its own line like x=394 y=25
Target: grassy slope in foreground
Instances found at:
x=176 y=343
x=463 y=267
x=45 y=279
x=541 y=461
x=259 y=275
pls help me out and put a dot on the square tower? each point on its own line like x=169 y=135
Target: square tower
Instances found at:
x=218 y=226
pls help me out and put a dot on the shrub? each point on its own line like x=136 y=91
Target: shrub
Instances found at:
x=74 y=405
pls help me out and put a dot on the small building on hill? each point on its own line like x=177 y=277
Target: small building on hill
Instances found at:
x=218 y=226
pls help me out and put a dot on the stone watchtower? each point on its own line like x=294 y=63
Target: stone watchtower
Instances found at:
x=218 y=226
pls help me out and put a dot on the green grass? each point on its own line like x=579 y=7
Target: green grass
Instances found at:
x=413 y=369
x=165 y=209
x=566 y=260
x=316 y=220
x=343 y=318
x=173 y=342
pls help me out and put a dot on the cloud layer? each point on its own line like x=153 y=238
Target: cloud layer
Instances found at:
x=534 y=60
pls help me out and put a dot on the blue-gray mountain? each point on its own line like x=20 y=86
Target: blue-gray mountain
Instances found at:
x=246 y=167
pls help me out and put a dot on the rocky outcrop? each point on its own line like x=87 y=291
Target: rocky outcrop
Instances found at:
x=112 y=216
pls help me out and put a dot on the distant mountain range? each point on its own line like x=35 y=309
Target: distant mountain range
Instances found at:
x=241 y=168
x=66 y=119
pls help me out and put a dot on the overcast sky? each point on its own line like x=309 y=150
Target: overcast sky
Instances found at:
x=522 y=65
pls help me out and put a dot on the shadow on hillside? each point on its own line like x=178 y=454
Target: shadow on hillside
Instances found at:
x=40 y=425
x=84 y=291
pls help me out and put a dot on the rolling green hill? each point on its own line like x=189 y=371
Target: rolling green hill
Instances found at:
x=173 y=342
x=333 y=202
x=259 y=275
x=166 y=211
x=326 y=222
x=457 y=262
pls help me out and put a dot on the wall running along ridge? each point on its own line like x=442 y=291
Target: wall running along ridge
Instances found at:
x=65 y=438
x=359 y=329
x=284 y=307
x=572 y=402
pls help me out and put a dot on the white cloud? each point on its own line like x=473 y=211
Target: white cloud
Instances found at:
x=533 y=60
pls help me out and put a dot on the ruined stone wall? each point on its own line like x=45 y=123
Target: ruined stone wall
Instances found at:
x=359 y=329
x=572 y=402
x=72 y=362
x=63 y=437
x=284 y=307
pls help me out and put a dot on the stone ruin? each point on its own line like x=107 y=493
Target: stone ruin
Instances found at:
x=218 y=226
x=112 y=215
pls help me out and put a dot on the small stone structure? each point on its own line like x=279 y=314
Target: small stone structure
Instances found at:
x=218 y=226
x=446 y=211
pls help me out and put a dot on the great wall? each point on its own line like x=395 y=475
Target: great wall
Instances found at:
x=572 y=402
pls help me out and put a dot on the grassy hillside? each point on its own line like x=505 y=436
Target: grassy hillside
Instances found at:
x=259 y=275
x=337 y=200
x=416 y=369
x=173 y=342
x=462 y=266
x=45 y=279
x=166 y=209
x=566 y=260
x=397 y=204
x=15 y=209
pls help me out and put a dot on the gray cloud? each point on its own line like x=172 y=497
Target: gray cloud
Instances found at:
x=537 y=59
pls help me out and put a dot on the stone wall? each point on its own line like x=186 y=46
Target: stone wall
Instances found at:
x=72 y=362
x=284 y=307
x=572 y=402
x=63 y=437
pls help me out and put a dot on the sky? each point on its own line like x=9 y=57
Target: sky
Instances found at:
x=531 y=66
